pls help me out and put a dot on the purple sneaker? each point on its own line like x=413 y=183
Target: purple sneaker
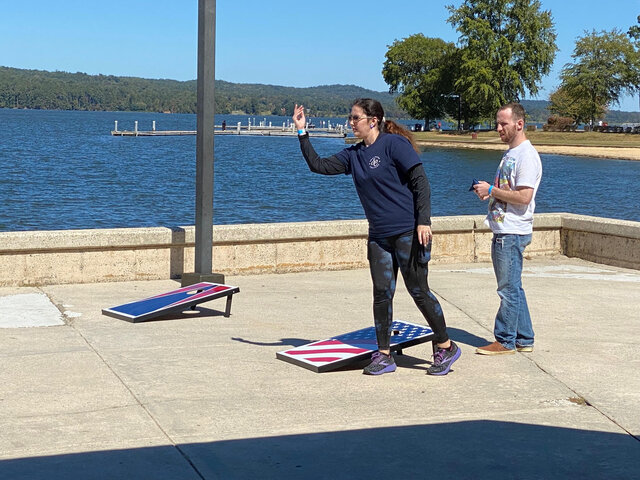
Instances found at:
x=443 y=359
x=380 y=363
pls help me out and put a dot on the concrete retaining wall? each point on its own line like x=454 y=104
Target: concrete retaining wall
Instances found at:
x=84 y=256
x=602 y=240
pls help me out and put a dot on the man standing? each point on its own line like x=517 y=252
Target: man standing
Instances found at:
x=511 y=204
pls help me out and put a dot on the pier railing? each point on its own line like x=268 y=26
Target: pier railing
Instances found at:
x=260 y=129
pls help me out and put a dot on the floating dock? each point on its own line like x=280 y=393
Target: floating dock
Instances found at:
x=336 y=131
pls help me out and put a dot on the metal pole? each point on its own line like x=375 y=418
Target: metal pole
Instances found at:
x=204 y=145
x=204 y=138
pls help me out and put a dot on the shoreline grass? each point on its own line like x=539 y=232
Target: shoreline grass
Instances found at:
x=538 y=137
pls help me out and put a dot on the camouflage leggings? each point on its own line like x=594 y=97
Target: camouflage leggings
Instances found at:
x=385 y=256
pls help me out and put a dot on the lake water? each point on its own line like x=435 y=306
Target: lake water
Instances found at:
x=63 y=170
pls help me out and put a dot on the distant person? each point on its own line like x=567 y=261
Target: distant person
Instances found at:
x=395 y=194
x=224 y=125
x=511 y=198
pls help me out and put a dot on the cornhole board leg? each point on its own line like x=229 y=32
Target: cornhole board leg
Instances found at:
x=341 y=350
x=175 y=300
x=227 y=308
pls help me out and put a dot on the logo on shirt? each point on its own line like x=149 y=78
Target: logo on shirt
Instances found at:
x=374 y=162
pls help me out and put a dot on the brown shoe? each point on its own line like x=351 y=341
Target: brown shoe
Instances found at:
x=494 y=348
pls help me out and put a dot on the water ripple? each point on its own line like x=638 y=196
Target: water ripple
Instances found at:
x=63 y=170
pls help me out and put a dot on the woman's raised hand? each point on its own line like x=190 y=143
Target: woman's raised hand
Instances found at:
x=298 y=117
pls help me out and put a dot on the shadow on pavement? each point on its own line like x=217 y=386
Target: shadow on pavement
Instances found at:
x=283 y=342
x=462 y=450
x=462 y=336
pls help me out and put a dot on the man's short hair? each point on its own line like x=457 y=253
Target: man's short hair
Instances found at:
x=517 y=111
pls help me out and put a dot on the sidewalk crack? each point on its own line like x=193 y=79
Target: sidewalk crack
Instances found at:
x=141 y=405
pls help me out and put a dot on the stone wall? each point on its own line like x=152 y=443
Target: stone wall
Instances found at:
x=84 y=256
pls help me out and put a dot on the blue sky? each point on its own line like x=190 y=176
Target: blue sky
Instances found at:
x=298 y=44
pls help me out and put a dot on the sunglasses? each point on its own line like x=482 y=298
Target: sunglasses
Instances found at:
x=356 y=118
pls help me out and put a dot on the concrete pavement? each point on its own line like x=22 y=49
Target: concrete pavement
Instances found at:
x=201 y=396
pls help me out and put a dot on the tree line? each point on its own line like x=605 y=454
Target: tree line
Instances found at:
x=37 y=89
x=505 y=48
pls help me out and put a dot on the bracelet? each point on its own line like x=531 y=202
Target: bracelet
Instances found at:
x=490 y=188
x=301 y=131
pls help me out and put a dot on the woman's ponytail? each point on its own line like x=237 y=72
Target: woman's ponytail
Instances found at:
x=389 y=126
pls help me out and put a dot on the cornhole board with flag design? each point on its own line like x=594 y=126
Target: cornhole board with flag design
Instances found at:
x=342 y=350
x=175 y=300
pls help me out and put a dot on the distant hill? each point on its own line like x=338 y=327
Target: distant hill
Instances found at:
x=39 y=89
x=538 y=112
x=617 y=117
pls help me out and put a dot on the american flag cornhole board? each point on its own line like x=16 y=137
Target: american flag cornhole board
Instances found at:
x=175 y=300
x=342 y=350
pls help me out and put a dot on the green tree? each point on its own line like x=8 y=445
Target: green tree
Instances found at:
x=566 y=104
x=634 y=32
x=606 y=66
x=507 y=46
x=419 y=69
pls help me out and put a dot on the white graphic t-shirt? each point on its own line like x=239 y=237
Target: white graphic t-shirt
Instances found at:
x=519 y=167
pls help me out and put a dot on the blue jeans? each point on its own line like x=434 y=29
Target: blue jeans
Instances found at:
x=513 y=321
